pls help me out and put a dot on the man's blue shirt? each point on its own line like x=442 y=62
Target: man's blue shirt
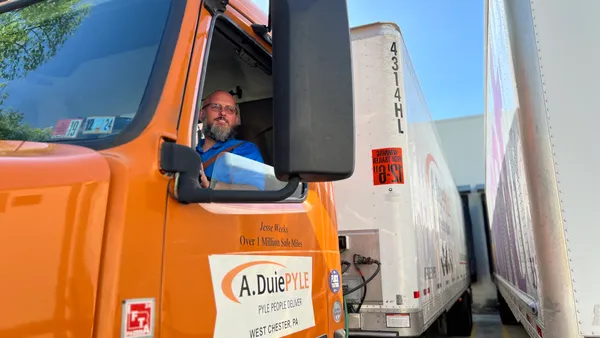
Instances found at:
x=248 y=150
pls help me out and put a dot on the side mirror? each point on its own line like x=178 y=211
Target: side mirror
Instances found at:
x=313 y=123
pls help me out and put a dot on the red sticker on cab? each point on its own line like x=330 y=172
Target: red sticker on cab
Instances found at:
x=67 y=128
x=138 y=318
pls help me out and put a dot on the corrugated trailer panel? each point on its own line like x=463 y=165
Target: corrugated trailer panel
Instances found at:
x=550 y=72
x=568 y=43
x=507 y=192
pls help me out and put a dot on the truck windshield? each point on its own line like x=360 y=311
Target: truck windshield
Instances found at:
x=76 y=69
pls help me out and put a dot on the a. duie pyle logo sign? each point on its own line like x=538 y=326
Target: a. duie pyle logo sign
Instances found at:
x=262 y=296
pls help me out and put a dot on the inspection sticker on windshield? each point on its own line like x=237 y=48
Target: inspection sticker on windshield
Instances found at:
x=67 y=128
x=262 y=296
x=98 y=125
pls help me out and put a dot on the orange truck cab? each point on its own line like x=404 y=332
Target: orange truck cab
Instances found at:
x=105 y=229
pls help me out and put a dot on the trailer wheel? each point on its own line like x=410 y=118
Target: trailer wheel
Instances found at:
x=506 y=315
x=460 y=317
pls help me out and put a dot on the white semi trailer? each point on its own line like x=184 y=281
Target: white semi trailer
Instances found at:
x=542 y=156
x=401 y=228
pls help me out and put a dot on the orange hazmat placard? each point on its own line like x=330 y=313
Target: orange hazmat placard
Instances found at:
x=387 y=166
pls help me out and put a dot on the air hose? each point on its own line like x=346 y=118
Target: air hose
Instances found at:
x=358 y=259
x=368 y=280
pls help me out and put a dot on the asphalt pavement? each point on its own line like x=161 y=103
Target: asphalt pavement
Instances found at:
x=489 y=326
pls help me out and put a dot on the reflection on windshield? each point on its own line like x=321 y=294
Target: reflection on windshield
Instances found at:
x=76 y=69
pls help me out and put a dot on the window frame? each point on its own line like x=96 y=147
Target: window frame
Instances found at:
x=258 y=51
x=257 y=47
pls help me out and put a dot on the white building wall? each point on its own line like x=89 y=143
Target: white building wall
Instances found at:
x=463 y=145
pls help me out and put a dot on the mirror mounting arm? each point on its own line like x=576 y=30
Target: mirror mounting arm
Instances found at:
x=216 y=6
x=186 y=162
x=263 y=32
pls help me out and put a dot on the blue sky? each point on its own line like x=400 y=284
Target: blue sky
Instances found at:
x=445 y=42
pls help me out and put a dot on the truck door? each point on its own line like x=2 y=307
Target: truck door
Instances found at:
x=235 y=270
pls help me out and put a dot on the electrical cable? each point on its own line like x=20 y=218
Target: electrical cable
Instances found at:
x=347 y=264
x=364 y=295
x=367 y=281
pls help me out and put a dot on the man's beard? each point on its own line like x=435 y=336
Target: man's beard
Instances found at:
x=217 y=132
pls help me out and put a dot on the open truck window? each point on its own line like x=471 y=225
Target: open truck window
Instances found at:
x=237 y=63
x=64 y=77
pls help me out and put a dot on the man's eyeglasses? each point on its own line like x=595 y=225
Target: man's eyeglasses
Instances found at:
x=219 y=108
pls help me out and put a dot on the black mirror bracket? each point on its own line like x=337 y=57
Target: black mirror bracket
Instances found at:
x=263 y=32
x=216 y=6
x=185 y=163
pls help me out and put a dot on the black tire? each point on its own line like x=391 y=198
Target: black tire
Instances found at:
x=460 y=317
x=506 y=315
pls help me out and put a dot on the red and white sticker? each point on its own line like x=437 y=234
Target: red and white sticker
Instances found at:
x=67 y=128
x=138 y=318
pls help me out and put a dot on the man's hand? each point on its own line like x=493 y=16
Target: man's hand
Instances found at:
x=204 y=182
